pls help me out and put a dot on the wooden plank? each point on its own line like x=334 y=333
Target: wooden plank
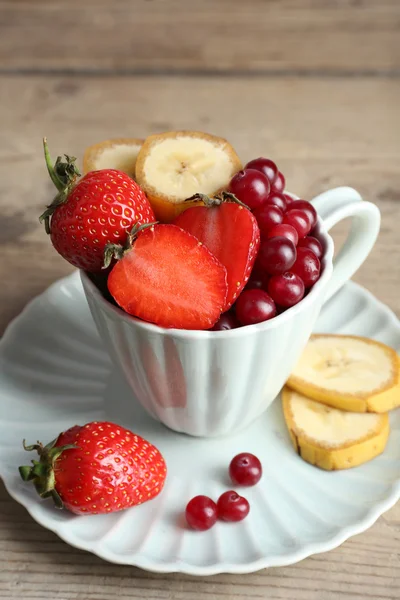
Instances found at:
x=321 y=133
x=37 y=564
x=311 y=36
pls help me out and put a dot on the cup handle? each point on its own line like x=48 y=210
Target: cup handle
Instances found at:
x=334 y=206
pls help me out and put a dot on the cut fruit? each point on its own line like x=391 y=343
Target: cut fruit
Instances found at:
x=330 y=438
x=348 y=372
x=119 y=153
x=169 y=278
x=231 y=233
x=175 y=165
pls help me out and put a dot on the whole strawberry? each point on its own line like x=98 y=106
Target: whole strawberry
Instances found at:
x=96 y=468
x=97 y=210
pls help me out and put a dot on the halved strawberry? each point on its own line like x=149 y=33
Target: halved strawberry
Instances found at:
x=169 y=278
x=230 y=232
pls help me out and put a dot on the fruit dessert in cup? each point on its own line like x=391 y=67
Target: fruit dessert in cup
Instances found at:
x=102 y=221
x=218 y=274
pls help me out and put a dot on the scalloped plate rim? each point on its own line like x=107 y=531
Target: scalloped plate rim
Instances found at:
x=183 y=567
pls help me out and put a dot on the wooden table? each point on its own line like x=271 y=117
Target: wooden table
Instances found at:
x=313 y=83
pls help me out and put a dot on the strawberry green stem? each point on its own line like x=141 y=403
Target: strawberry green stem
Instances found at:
x=50 y=168
x=63 y=174
x=118 y=251
x=42 y=472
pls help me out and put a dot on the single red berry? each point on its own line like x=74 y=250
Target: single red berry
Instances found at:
x=308 y=208
x=232 y=507
x=99 y=209
x=276 y=255
x=169 y=278
x=97 y=468
x=226 y=321
x=277 y=199
x=254 y=306
x=307 y=266
x=286 y=231
x=201 y=513
x=265 y=166
x=279 y=183
x=313 y=244
x=251 y=187
x=268 y=216
x=245 y=469
x=232 y=235
x=299 y=220
x=286 y=289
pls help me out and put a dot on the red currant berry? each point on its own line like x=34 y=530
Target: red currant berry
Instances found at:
x=265 y=166
x=232 y=507
x=276 y=255
x=288 y=199
x=251 y=187
x=307 y=266
x=277 y=199
x=308 y=208
x=226 y=321
x=258 y=281
x=245 y=469
x=312 y=244
x=299 y=220
x=279 y=183
x=286 y=231
x=254 y=306
x=201 y=513
x=267 y=216
x=286 y=289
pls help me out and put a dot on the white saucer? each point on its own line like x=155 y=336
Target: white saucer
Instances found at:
x=55 y=373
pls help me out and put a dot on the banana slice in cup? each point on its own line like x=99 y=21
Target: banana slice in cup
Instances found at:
x=119 y=153
x=175 y=165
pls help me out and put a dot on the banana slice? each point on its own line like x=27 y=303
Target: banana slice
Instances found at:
x=348 y=372
x=175 y=165
x=120 y=153
x=330 y=438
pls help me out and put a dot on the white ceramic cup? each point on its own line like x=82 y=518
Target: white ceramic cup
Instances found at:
x=207 y=383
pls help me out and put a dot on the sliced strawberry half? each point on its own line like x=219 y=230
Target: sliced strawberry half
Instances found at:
x=169 y=278
x=230 y=231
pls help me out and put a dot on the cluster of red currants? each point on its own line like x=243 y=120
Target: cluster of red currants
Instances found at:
x=288 y=262
x=202 y=512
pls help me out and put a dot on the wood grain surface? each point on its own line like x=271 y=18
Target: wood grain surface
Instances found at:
x=313 y=83
x=37 y=565
x=308 y=36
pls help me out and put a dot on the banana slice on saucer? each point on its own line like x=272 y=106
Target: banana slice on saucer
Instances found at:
x=330 y=438
x=349 y=373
